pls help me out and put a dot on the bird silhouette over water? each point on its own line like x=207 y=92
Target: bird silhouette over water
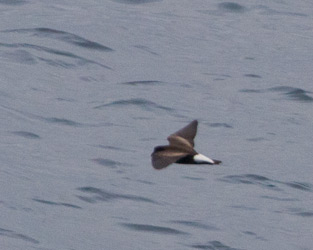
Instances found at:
x=180 y=149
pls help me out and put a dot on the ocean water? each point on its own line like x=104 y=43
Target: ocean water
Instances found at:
x=88 y=89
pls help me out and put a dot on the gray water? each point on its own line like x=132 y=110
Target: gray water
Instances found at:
x=89 y=88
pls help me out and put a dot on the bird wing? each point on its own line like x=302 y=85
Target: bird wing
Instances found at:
x=181 y=143
x=166 y=155
x=188 y=132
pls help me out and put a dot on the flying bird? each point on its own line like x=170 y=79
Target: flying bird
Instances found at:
x=180 y=149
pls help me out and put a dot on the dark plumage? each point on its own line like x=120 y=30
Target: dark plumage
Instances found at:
x=180 y=149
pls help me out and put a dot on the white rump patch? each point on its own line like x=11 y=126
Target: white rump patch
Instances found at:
x=199 y=158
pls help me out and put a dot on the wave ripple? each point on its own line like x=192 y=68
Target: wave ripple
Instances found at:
x=98 y=194
x=63 y=36
x=138 y=102
x=151 y=228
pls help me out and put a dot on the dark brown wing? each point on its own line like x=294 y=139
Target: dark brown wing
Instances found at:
x=180 y=143
x=166 y=155
x=189 y=132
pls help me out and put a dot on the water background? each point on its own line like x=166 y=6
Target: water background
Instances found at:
x=88 y=89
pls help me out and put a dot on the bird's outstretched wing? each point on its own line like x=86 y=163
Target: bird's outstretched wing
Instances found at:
x=166 y=155
x=188 y=132
x=180 y=143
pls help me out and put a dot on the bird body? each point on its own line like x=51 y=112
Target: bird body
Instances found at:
x=180 y=149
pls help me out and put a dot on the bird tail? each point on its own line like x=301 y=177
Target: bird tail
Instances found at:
x=217 y=162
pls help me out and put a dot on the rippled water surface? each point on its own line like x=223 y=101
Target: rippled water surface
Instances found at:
x=88 y=89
